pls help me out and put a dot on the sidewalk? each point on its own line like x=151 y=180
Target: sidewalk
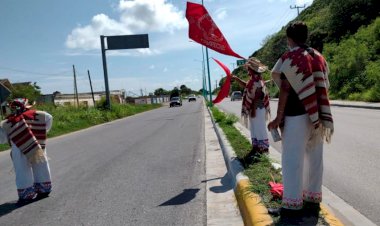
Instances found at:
x=351 y=104
x=355 y=104
x=222 y=208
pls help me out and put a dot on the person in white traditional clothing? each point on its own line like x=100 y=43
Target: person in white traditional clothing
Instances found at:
x=255 y=108
x=25 y=130
x=305 y=119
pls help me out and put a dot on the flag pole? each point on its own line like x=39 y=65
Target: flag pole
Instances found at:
x=208 y=74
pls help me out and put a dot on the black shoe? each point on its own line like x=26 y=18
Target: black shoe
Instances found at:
x=311 y=208
x=284 y=212
x=42 y=195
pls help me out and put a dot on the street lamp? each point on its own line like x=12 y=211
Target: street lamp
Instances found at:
x=208 y=72
x=203 y=75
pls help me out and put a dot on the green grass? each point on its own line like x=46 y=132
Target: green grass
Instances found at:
x=68 y=119
x=259 y=173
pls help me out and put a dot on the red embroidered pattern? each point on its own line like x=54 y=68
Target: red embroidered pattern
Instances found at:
x=315 y=197
x=294 y=204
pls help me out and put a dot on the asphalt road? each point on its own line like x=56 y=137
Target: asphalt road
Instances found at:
x=352 y=160
x=142 y=170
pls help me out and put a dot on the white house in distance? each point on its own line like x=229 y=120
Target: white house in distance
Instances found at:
x=85 y=99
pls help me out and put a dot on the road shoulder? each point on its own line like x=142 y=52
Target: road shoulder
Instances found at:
x=222 y=206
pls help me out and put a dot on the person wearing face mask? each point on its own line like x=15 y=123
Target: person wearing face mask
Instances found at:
x=255 y=108
x=305 y=119
x=25 y=130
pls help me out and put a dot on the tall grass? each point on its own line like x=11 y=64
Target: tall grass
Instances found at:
x=68 y=119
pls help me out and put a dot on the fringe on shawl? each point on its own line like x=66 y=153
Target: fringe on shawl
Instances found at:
x=325 y=133
x=37 y=157
x=36 y=154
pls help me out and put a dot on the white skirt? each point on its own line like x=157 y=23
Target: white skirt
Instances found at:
x=302 y=162
x=259 y=133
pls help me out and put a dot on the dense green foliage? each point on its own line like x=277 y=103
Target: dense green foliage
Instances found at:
x=347 y=33
x=29 y=91
x=355 y=72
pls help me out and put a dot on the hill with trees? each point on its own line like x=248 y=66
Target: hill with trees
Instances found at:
x=347 y=32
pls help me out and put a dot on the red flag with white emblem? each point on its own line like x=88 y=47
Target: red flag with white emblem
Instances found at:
x=203 y=30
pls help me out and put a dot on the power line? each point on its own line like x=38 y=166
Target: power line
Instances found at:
x=298 y=8
x=31 y=72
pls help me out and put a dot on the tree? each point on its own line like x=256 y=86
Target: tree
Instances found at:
x=29 y=91
x=346 y=16
x=185 y=90
x=174 y=93
x=160 y=91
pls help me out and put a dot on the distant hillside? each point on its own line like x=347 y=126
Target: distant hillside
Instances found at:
x=347 y=32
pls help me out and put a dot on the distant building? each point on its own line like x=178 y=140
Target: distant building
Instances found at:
x=149 y=99
x=85 y=99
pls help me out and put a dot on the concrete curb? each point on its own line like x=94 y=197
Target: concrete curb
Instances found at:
x=252 y=209
x=350 y=104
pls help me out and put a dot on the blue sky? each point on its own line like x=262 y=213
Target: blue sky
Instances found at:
x=42 y=39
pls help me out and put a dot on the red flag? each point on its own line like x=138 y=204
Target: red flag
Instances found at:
x=223 y=93
x=203 y=30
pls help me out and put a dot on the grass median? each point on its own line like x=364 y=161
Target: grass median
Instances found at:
x=68 y=119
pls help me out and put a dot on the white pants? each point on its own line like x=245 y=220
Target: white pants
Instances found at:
x=30 y=178
x=258 y=128
x=302 y=162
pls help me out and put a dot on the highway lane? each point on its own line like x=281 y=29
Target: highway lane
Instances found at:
x=142 y=170
x=352 y=160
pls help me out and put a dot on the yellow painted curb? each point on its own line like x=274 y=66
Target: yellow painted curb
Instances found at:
x=252 y=209
x=254 y=212
x=329 y=217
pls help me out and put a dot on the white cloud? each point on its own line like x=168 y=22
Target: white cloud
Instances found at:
x=136 y=16
x=165 y=69
x=152 y=67
x=221 y=13
x=88 y=37
x=157 y=15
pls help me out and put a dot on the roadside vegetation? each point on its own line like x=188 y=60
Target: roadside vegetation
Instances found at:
x=259 y=173
x=68 y=119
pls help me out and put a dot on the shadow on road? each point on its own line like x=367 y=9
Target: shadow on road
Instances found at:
x=8 y=207
x=225 y=181
x=186 y=196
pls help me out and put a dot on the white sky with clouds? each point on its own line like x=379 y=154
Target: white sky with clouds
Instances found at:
x=42 y=40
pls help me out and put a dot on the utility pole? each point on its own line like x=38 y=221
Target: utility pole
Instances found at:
x=104 y=59
x=233 y=66
x=92 y=92
x=298 y=8
x=75 y=88
x=203 y=74
x=208 y=73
